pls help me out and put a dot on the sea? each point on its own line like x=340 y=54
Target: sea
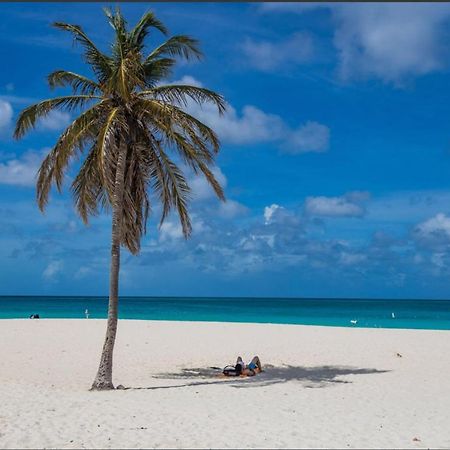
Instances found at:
x=371 y=313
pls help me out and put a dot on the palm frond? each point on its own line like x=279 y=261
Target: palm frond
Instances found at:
x=197 y=160
x=107 y=149
x=100 y=62
x=180 y=95
x=78 y=83
x=73 y=139
x=118 y=24
x=28 y=117
x=138 y=34
x=177 y=190
x=136 y=204
x=177 y=46
x=156 y=70
x=171 y=118
x=194 y=154
x=87 y=187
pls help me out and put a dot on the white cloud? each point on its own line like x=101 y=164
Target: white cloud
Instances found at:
x=439 y=223
x=268 y=56
x=170 y=230
x=279 y=240
x=434 y=232
x=53 y=269
x=276 y=215
x=21 y=171
x=201 y=189
x=254 y=126
x=390 y=41
x=54 y=121
x=269 y=211
x=231 y=209
x=257 y=242
x=348 y=205
x=6 y=113
x=198 y=225
x=189 y=80
x=311 y=137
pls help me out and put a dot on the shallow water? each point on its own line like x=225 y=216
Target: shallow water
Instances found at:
x=427 y=314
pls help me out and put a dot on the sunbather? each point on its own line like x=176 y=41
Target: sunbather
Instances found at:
x=241 y=369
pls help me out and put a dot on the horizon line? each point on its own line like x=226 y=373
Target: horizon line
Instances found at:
x=228 y=297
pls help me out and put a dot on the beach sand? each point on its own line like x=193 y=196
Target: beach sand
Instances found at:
x=329 y=387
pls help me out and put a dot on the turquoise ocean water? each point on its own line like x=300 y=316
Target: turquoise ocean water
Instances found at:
x=427 y=314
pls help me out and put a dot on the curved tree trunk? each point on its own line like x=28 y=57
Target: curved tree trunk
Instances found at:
x=103 y=379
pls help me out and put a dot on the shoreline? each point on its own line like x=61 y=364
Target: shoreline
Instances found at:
x=323 y=387
x=352 y=327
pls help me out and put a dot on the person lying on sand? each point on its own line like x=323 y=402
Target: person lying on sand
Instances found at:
x=241 y=369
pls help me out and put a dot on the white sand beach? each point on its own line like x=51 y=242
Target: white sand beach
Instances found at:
x=328 y=387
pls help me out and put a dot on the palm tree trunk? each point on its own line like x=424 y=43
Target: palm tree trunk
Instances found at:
x=103 y=379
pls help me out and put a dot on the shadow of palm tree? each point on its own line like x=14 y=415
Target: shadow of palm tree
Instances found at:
x=309 y=377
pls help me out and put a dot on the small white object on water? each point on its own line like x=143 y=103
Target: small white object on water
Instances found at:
x=354 y=322
x=86 y=313
x=393 y=315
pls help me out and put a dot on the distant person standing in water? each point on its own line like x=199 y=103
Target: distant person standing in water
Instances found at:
x=86 y=313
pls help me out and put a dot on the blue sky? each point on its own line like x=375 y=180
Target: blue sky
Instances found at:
x=335 y=155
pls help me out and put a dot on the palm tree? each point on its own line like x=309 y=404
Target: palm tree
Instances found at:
x=128 y=123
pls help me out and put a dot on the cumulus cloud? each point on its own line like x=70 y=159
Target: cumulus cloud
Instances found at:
x=276 y=216
x=278 y=240
x=332 y=207
x=311 y=137
x=254 y=126
x=189 y=80
x=52 y=270
x=251 y=126
x=6 y=113
x=231 y=209
x=434 y=232
x=21 y=171
x=348 y=205
x=54 y=121
x=389 y=41
x=269 y=211
x=170 y=230
x=268 y=56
